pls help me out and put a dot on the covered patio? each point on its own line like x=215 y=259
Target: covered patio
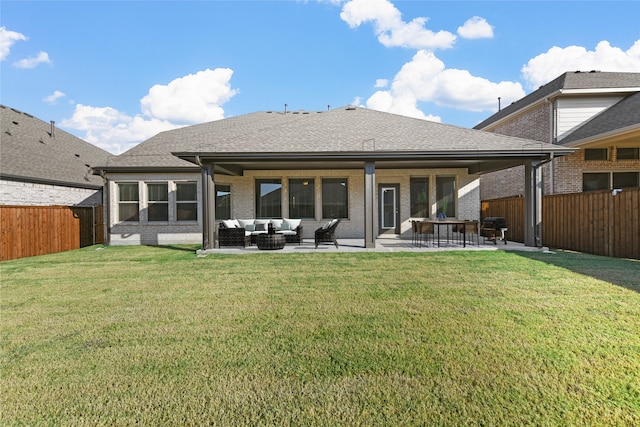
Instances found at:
x=373 y=145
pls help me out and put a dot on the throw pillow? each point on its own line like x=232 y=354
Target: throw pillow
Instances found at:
x=285 y=226
x=245 y=222
x=250 y=227
x=261 y=227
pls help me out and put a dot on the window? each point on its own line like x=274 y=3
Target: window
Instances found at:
x=128 y=202
x=446 y=195
x=595 y=181
x=419 y=189
x=596 y=154
x=628 y=153
x=302 y=198
x=335 y=198
x=268 y=198
x=626 y=179
x=187 y=201
x=158 y=202
x=223 y=201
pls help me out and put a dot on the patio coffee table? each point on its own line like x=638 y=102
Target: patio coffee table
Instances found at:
x=270 y=241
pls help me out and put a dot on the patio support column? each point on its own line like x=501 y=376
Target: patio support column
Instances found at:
x=370 y=211
x=533 y=204
x=208 y=207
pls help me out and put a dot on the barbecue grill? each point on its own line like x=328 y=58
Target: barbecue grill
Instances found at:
x=494 y=229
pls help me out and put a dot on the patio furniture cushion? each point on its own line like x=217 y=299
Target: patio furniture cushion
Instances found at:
x=231 y=223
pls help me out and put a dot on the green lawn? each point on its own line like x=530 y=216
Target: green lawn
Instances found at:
x=158 y=336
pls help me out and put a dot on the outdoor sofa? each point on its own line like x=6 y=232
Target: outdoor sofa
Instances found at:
x=243 y=232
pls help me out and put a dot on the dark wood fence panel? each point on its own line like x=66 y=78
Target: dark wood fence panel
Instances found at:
x=38 y=230
x=595 y=222
x=512 y=209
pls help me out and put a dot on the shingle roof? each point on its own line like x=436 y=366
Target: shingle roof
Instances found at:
x=342 y=130
x=574 y=80
x=623 y=114
x=156 y=151
x=29 y=152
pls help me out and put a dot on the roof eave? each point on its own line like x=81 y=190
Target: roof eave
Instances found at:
x=374 y=156
x=605 y=135
x=88 y=186
x=98 y=170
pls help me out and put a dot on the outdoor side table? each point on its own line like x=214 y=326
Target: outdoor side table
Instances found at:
x=271 y=241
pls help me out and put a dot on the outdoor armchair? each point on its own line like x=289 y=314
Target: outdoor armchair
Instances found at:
x=327 y=233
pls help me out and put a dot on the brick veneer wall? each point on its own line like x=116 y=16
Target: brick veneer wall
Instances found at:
x=243 y=200
x=34 y=194
x=565 y=171
x=532 y=124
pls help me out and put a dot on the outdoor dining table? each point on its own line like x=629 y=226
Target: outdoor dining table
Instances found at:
x=448 y=222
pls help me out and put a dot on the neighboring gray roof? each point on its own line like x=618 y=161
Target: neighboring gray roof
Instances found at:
x=621 y=115
x=28 y=152
x=574 y=80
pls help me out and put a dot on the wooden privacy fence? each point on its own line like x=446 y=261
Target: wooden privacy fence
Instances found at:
x=596 y=222
x=38 y=230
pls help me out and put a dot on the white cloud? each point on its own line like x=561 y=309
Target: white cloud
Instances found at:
x=476 y=28
x=426 y=79
x=113 y=130
x=195 y=98
x=7 y=39
x=53 y=98
x=556 y=61
x=381 y=83
x=41 y=58
x=391 y=29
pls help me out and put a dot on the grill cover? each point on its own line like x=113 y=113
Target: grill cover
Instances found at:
x=495 y=222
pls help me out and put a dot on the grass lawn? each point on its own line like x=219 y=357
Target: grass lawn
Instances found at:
x=158 y=336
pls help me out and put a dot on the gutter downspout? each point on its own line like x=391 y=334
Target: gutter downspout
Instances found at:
x=538 y=214
x=106 y=216
x=552 y=127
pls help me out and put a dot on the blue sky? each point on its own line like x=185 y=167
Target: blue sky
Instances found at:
x=116 y=73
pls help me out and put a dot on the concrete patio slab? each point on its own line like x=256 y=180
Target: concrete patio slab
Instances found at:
x=383 y=244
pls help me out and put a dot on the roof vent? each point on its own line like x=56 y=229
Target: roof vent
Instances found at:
x=351 y=108
x=53 y=127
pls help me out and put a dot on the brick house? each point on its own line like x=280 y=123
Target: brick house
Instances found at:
x=598 y=113
x=314 y=166
x=41 y=165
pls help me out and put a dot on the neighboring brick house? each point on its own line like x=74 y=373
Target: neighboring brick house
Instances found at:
x=41 y=165
x=596 y=112
x=313 y=166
